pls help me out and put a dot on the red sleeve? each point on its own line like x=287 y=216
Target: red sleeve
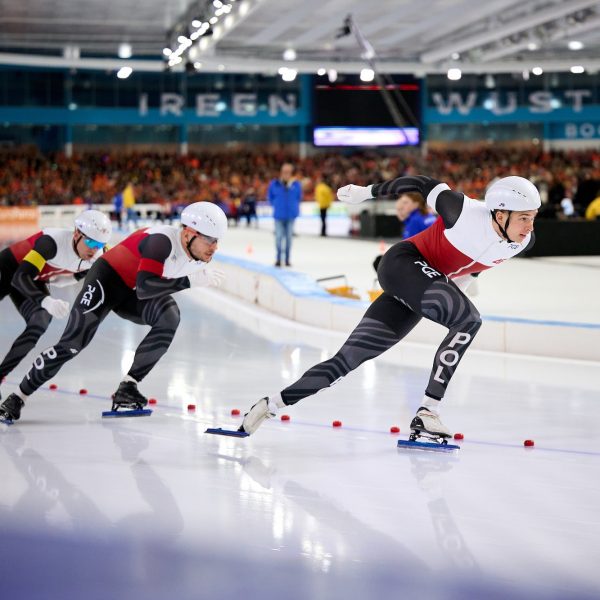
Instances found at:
x=151 y=266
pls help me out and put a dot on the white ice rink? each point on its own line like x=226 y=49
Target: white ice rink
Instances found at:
x=154 y=508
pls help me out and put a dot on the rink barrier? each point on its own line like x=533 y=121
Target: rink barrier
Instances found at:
x=297 y=297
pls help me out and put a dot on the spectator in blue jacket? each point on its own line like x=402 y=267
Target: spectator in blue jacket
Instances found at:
x=414 y=213
x=284 y=194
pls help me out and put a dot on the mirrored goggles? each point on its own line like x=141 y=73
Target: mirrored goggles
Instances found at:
x=90 y=243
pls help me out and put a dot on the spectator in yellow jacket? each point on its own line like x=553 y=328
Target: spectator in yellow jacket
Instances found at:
x=324 y=198
x=129 y=205
x=593 y=210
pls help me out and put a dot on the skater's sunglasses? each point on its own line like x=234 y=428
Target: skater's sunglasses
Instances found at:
x=93 y=244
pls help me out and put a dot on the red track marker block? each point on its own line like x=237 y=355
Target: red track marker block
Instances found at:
x=285 y=417
x=83 y=391
x=152 y=401
x=528 y=443
x=394 y=429
x=191 y=407
x=235 y=412
x=337 y=424
x=459 y=436
x=53 y=386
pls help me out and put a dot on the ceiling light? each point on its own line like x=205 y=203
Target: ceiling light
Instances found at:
x=288 y=74
x=167 y=51
x=321 y=72
x=217 y=3
x=454 y=74
x=490 y=82
x=213 y=20
x=532 y=46
x=575 y=45
x=537 y=70
x=221 y=67
x=196 y=23
x=577 y=69
x=455 y=56
x=124 y=51
x=332 y=75
x=367 y=75
x=289 y=54
x=124 y=72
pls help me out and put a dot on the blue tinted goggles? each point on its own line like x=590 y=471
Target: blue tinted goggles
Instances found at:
x=90 y=243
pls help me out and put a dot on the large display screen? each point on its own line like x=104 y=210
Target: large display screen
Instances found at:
x=349 y=112
x=365 y=136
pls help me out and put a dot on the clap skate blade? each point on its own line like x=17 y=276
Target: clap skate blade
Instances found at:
x=230 y=432
x=438 y=442
x=127 y=410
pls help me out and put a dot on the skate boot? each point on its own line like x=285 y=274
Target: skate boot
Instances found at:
x=10 y=409
x=265 y=408
x=427 y=423
x=128 y=396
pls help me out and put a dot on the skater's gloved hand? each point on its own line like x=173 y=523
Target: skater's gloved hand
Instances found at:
x=354 y=194
x=61 y=281
x=56 y=307
x=206 y=278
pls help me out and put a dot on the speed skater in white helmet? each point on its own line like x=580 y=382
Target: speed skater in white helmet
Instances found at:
x=425 y=276
x=56 y=256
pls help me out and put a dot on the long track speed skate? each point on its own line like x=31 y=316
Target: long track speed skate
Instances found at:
x=427 y=425
x=127 y=401
x=10 y=409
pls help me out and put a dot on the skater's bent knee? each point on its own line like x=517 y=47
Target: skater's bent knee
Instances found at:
x=170 y=316
x=40 y=318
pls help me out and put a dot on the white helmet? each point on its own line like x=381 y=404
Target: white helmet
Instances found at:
x=94 y=225
x=512 y=193
x=206 y=218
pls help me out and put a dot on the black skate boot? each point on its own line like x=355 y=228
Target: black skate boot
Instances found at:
x=128 y=396
x=10 y=410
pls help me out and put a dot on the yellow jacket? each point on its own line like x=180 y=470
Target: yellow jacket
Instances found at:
x=593 y=210
x=128 y=196
x=324 y=195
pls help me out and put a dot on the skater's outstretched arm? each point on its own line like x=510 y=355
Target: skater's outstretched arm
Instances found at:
x=43 y=250
x=150 y=283
x=447 y=203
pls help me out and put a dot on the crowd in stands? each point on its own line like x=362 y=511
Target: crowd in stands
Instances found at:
x=30 y=178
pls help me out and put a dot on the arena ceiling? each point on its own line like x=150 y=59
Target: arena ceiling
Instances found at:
x=418 y=36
